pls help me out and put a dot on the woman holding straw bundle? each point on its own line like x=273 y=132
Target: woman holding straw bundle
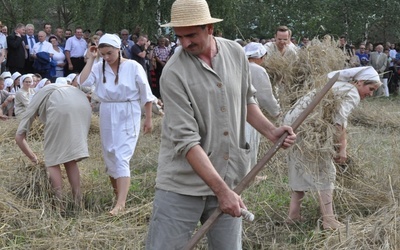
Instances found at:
x=309 y=171
x=122 y=87
x=66 y=114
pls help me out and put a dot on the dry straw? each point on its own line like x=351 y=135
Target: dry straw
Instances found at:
x=366 y=198
x=296 y=76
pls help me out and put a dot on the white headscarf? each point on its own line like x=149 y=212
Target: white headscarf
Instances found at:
x=41 y=84
x=23 y=77
x=357 y=73
x=6 y=74
x=8 y=82
x=61 y=80
x=71 y=77
x=254 y=50
x=110 y=39
x=15 y=75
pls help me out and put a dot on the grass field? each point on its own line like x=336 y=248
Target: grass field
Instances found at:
x=366 y=198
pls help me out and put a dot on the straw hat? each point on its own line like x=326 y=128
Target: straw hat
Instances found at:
x=186 y=13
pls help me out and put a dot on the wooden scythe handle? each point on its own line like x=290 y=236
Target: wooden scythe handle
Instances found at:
x=244 y=183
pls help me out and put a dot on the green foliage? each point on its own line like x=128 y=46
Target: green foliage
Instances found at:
x=360 y=20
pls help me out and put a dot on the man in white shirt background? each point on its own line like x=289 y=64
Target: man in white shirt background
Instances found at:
x=39 y=47
x=74 y=52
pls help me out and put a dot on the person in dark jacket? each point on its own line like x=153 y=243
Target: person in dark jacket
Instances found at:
x=16 y=50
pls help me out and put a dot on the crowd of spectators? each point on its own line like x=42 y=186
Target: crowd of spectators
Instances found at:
x=383 y=57
x=62 y=53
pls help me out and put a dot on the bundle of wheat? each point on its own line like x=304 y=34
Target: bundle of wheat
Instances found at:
x=32 y=184
x=294 y=78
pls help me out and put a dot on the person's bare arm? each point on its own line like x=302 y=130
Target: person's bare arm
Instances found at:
x=2 y=55
x=148 y=123
x=341 y=156
x=68 y=57
x=23 y=145
x=88 y=67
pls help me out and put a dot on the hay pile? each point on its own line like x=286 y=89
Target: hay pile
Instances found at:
x=361 y=195
x=31 y=219
x=297 y=76
x=366 y=196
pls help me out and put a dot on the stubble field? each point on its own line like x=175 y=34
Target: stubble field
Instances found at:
x=366 y=198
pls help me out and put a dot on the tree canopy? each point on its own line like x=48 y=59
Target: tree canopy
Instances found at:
x=372 y=20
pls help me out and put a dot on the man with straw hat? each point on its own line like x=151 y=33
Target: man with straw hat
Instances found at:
x=203 y=155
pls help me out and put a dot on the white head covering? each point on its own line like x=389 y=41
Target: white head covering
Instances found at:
x=61 y=80
x=254 y=50
x=5 y=74
x=15 y=75
x=8 y=82
x=111 y=39
x=357 y=73
x=41 y=84
x=71 y=77
x=23 y=77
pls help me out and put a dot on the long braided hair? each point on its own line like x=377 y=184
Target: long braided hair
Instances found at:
x=104 y=45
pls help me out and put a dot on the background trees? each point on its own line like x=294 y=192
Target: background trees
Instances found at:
x=375 y=20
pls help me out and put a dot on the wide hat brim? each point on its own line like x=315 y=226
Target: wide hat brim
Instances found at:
x=193 y=23
x=185 y=13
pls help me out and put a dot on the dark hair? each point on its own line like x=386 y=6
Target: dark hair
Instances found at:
x=51 y=37
x=104 y=45
x=282 y=29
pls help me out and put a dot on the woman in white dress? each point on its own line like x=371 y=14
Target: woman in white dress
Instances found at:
x=58 y=56
x=122 y=87
x=306 y=174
